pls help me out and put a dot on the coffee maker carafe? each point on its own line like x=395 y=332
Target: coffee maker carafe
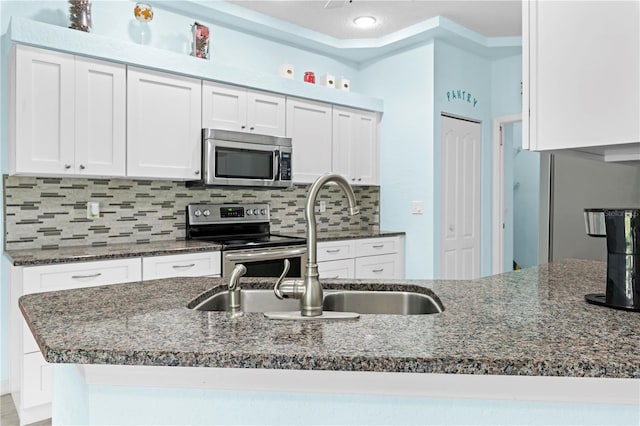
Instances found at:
x=621 y=227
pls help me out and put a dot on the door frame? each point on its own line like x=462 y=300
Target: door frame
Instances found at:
x=439 y=258
x=497 y=234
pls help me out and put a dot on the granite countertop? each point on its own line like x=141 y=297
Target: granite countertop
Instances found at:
x=529 y=322
x=109 y=252
x=159 y=248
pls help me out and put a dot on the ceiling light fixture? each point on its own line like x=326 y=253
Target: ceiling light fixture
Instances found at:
x=365 y=21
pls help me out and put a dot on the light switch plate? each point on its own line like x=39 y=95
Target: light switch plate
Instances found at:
x=93 y=210
x=417 y=207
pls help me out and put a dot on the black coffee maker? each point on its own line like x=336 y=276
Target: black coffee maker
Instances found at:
x=621 y=227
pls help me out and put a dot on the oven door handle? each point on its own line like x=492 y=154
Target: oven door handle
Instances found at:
x=264 y=255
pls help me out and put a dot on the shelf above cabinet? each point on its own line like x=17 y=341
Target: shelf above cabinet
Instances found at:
x=26 y=31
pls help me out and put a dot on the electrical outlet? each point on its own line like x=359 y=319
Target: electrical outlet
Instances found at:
x=417 y=207
x=323 y=206
x=93 y=210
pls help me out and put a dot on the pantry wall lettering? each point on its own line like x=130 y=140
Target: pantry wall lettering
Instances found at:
x=462 y=96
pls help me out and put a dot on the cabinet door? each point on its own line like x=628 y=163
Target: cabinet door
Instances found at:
x=365 y=149
x=384 y=266
x=582 y=81
x=337 y=269
x=101 y=93
x=163 y=125
x=37 y=381
x=41 y=112
x=309 y=126
x=181 y=265
x=355 y=145
x=224 y=107
x=266 y=113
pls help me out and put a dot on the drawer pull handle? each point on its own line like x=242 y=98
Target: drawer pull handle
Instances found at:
x=378 y=270
x=80 y=277
x=333 y=251
x=190 y=265
x=377 y=245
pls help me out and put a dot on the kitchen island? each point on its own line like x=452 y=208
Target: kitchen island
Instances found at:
x=523 y=342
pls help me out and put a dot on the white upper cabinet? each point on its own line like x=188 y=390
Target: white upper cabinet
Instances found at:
x=242 y=110
x=101 y=131
x=355 y=145
x=309 y=127
x=163 y=125
x=581 y=69
x=67 y=115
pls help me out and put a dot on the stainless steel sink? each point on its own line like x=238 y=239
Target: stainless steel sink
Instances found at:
x=362 y=302
x=250 y=301
x=382 y=302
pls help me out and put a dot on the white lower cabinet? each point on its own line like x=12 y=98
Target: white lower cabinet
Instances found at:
x=331 y=269
x=362 y=258
x=383 y=266
x=31 y=375
x=181 y=265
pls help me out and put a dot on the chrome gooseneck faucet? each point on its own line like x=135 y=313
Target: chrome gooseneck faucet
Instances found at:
x=309 y=291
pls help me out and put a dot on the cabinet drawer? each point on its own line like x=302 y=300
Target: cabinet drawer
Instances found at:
x=75 y=275
x=334 y=250
x=37 y=381
x=343 y=268
x=376 y=246
x=181 y=265
x=384 y=266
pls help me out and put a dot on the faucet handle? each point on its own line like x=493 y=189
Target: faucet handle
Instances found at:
x=276 y=287
x=237 y=272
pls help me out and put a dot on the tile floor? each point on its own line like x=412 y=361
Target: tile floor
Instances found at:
x=9 y=416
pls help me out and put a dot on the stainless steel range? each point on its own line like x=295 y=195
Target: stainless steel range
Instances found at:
x=244 y=230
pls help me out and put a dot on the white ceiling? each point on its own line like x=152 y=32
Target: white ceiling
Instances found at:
x=497 y=18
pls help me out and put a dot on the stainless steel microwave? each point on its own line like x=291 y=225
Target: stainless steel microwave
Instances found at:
x=245 y=159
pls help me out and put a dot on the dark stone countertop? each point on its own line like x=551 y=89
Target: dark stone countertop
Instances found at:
x=532 y=322
x=108 y=252
x=158 y=248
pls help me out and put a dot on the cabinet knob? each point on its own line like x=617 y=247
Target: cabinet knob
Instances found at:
x=243 y=127
x=251 y=128
x=67 y=166
x=359 y=179
x=82 y=167
x=197 y=172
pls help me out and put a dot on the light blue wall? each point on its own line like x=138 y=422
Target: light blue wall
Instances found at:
x=506 y=77
x=82 y=404
x=456 y=69
x=405 y=82
x=526 y=201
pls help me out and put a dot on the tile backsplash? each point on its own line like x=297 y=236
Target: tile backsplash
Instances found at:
x=52 y=212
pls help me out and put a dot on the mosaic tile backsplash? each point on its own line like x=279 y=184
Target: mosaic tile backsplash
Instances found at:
x=47 y=213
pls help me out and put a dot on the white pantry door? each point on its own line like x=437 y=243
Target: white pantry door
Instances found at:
x=460 y=200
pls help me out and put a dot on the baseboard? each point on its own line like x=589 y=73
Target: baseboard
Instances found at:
x=5 y=387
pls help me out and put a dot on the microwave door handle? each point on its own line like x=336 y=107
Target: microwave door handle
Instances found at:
x=276 y=165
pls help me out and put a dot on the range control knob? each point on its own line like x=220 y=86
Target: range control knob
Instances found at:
x=263 y=211
x=197 y=213
x=206 y=212
x=249 y=212
x=256 y=211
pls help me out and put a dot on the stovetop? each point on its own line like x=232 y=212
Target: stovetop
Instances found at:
x=235 y=226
